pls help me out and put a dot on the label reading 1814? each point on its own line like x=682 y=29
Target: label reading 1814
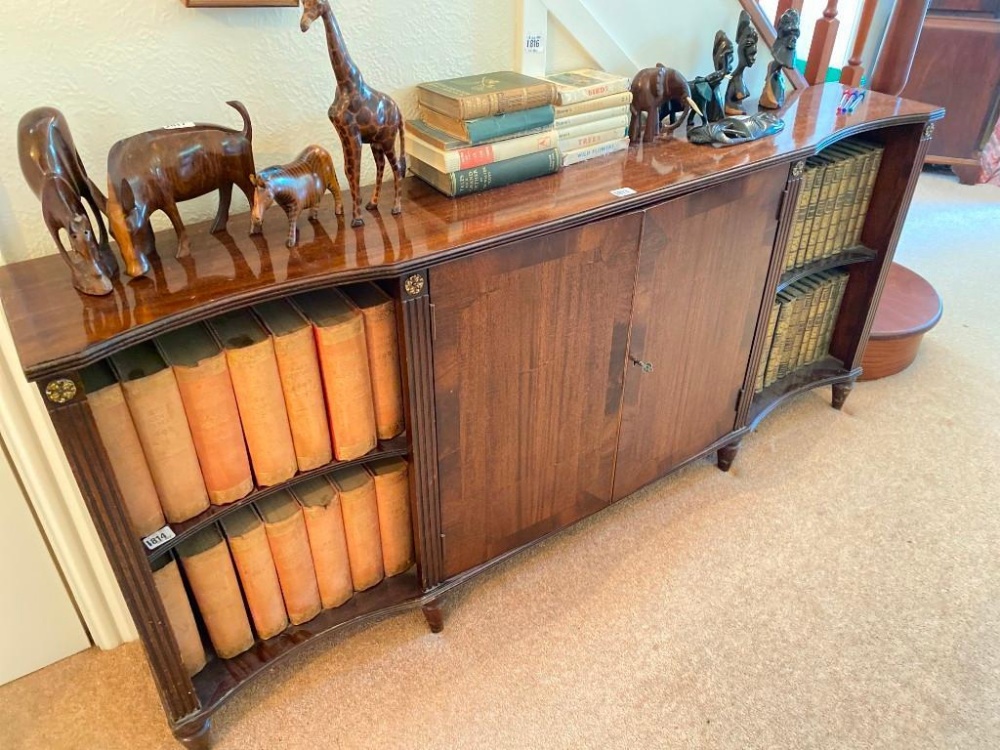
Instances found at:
x=159 y=538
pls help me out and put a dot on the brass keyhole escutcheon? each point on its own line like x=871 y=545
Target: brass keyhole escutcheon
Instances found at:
x=646 y=366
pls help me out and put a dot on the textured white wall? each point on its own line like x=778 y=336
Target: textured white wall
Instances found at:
x=119 y=67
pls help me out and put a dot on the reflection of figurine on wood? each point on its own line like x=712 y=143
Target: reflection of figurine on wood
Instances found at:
x=746 y=46
x=296 y=187
x=54 y=171
x=360 y=115
x=153 y=171
x=656 y=90
x=707 y=91
x=783 y=52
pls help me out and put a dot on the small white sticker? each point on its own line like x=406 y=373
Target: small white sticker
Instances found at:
x=534 y=44
x=622 y=192
x=159 y=538
x=179 y=126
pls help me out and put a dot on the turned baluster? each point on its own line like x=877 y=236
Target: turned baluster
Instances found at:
x=821 y=49
x=892 y=67
x=784 y=5
x=853 y=72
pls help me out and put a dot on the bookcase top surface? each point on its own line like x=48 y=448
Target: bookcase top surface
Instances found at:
x=55 y=328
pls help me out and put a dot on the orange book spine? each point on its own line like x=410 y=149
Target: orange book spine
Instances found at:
x=383 y=363
x=181 y=618
x=364 y=545
x=128 y=462
x=213 y=581
x=328 y=543
x=254 y=370
x=302 y=384
x=252 y=555
x=158 y=413
x=289 y=544
x=392 y=491
x=343 y=355
x=210 y=404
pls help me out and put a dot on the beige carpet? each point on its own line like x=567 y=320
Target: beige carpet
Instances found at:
x=839 y=589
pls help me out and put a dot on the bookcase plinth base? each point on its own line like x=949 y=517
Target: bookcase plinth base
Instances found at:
x=197 y=735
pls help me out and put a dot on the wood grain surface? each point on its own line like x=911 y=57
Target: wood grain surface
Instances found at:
x=55 y=328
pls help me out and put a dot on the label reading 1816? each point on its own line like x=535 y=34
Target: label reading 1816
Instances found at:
x=159 y=538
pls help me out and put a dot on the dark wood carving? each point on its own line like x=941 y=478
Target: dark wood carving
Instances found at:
x=297 y=186
x=658 y=92
x=746 y=48
x=360 y=114
x=55 y=173
x=783 y=52
x=707 y=91
x=154 y=171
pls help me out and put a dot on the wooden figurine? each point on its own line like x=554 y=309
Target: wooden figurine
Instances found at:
x=360 y=114
x=736 y=129
x=707 y=91
x=54 y=171
x=783 y=52
x=296 y=186
x=653 y=88
x=746 y=46
x=155 y=170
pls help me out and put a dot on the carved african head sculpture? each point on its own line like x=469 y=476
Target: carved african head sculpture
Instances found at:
x=722 y=52
x=746 y=40
x=788 y=30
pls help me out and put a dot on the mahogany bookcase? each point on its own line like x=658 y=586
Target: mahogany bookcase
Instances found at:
x=564 y=342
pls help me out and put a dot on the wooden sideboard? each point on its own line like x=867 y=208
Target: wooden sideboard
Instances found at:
x=565 y=342
x=957 y=65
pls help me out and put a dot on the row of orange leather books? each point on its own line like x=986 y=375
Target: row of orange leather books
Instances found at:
x=287 y=557
x=205 y=414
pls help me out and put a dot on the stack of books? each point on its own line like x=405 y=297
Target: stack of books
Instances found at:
x=481 y=132
x=836 y=189
x=207 y=414
x=283 y=559
x=592 y=113
x=801 y=325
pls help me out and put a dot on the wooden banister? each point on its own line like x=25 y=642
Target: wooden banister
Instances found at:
x=892 y=68
x=854 y=71
x=823 y=39
x=768 y=34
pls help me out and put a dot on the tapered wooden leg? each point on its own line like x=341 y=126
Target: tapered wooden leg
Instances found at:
x=726 y=455
x=196 y=736
x=434 y=617
x=840 y=393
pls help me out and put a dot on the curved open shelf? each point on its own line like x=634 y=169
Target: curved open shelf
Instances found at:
x=826 y=371
x=859 y=254
x=222 y=678
x=393 y=447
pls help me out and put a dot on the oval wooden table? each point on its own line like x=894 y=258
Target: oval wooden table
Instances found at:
x=909 y=308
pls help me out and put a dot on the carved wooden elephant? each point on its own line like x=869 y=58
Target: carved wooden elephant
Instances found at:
x=653 y=88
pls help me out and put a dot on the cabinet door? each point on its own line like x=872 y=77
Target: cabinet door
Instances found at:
x=529 y=353
x=703 y=265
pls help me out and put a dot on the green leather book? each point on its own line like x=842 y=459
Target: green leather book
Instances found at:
x=488 y=176
x=470 y=97
x=497 y=127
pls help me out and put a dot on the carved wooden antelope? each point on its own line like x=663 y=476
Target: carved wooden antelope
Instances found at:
x=360 y=114
x=296 y=186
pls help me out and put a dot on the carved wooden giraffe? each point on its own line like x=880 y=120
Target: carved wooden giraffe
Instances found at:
x=360 y=114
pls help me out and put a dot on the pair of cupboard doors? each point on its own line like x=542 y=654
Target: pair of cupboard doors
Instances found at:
x=574 y=368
